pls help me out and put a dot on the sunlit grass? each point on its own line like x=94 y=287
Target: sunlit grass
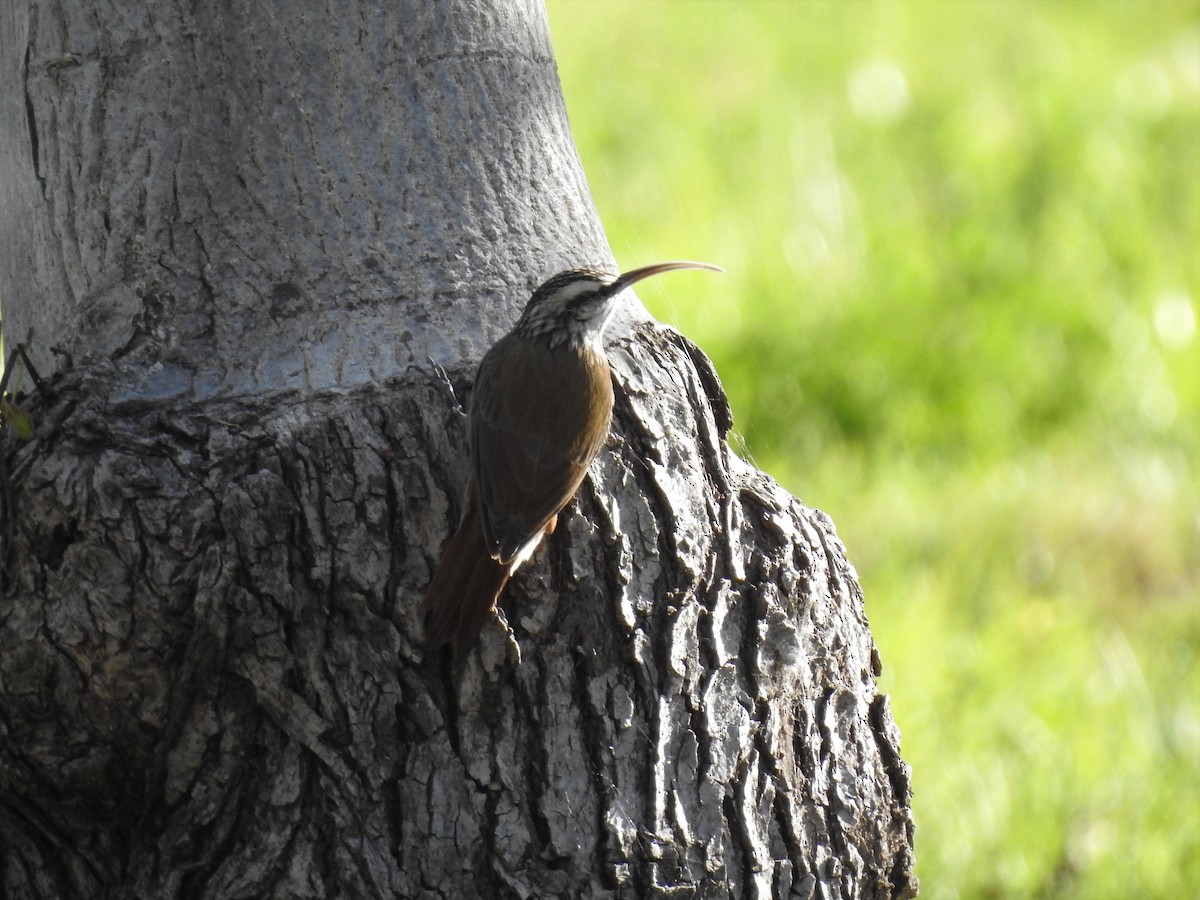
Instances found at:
x=1039 y=636
x=960 y=316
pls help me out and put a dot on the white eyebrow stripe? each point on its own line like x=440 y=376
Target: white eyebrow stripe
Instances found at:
x=569 y=292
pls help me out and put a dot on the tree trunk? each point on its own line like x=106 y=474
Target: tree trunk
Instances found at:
x=257 y=237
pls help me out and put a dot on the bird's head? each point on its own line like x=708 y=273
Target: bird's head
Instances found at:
x=574 y=306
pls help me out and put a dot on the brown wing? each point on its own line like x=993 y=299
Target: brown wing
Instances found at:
x=539 y=416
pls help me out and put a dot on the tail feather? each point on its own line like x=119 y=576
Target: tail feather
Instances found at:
x=464 y=588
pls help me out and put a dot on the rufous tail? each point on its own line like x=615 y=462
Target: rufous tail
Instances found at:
x=464 y=588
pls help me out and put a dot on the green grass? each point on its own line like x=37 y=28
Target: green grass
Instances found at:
x=961 y=317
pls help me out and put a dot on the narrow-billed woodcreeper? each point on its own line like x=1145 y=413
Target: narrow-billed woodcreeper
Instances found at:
x=539 y=414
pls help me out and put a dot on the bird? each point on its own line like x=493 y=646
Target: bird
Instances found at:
x=539 y=413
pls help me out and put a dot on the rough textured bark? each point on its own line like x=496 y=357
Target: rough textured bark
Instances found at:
x=259 y=232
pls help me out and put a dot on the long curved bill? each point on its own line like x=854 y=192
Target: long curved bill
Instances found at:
x=627 y=278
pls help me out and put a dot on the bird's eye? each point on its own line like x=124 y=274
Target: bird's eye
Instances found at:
x=586 y=299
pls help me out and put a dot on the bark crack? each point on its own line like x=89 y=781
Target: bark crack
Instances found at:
x=31 y=122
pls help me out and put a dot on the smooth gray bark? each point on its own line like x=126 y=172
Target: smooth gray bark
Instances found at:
x=256 y=230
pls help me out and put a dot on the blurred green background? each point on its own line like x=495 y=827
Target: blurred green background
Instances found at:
x=960 y=316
